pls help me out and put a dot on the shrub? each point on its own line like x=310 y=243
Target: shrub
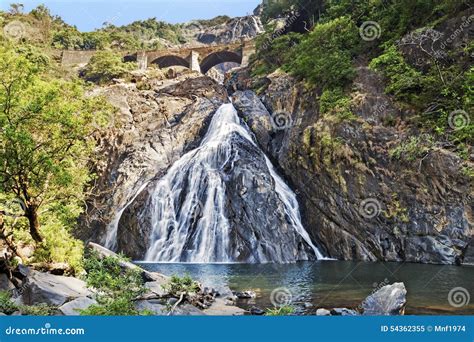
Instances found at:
x=412 y=149
x=105 y=66
x=285 y=310
x=335 y=102
x=177 y=286
x=117 y=288
x=324 y=56
x=7 y=306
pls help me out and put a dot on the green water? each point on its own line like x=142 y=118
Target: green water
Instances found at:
x=332 y=284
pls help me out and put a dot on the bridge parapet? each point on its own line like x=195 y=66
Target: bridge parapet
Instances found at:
x=195 y=58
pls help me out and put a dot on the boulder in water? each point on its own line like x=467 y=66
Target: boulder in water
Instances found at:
x=389 y=300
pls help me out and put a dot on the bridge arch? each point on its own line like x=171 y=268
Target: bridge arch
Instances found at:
x=219 y=57
x=170 y=60
x=130 y=58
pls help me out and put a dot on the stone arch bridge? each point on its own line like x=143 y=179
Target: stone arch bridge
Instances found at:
x=200 y=59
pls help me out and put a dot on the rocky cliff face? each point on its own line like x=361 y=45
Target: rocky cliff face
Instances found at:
x=231 y=31
x=359 y=203
x=159 y=120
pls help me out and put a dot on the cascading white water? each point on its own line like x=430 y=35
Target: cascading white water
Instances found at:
x=188 y=205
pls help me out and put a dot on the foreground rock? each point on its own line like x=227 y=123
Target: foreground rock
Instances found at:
x=45 y=288
x=389 y=300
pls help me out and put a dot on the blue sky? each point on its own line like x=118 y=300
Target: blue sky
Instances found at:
x=88 y=15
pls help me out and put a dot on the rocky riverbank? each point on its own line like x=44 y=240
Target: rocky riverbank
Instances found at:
x=61 y=295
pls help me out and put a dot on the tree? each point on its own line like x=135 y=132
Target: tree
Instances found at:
x=16 y=8
x=104 y=66
x=45 y=141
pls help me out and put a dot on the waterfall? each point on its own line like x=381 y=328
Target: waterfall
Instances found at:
x=188 y=206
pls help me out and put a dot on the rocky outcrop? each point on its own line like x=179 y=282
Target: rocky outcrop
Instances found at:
x=214 y=205
x=46 y=288
x=230 y=31
x=158 y=121
x=358 y=202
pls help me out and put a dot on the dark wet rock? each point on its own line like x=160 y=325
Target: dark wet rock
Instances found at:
x=468 y=257
x=154 y=127
x=341 y=169
x=256 y=311
x=5 y=283
x=245 y=294
x=257 y=117
x=21 y=271
x=389 y=300
x=342 y=312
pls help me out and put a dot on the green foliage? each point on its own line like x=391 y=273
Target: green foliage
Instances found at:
x=177 y=286
x=58 y=245
x=46 y=143
x=7 y=306
x=324 y=57
x=285 y=310
x=116 y=287
x=105 y=66
x=335 y=102
x=440 y=87
x=412 y=149
x=272 y=52
x=405 y=82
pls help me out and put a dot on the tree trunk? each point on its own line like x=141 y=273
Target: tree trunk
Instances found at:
x=32 y=216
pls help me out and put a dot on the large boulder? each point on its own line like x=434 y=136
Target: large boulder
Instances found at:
x=389 y=300
x=45 y=288
x=73 y=307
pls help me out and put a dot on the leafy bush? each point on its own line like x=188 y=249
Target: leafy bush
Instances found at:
x=105 y=66
x=324 y=56
x=272 y=52
x=59 y=246
x=405 y=82
x=7 y=306
x=117 y=288
x=412 y=149
x=177 y=286
x=285 y=310
x=335 y=102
